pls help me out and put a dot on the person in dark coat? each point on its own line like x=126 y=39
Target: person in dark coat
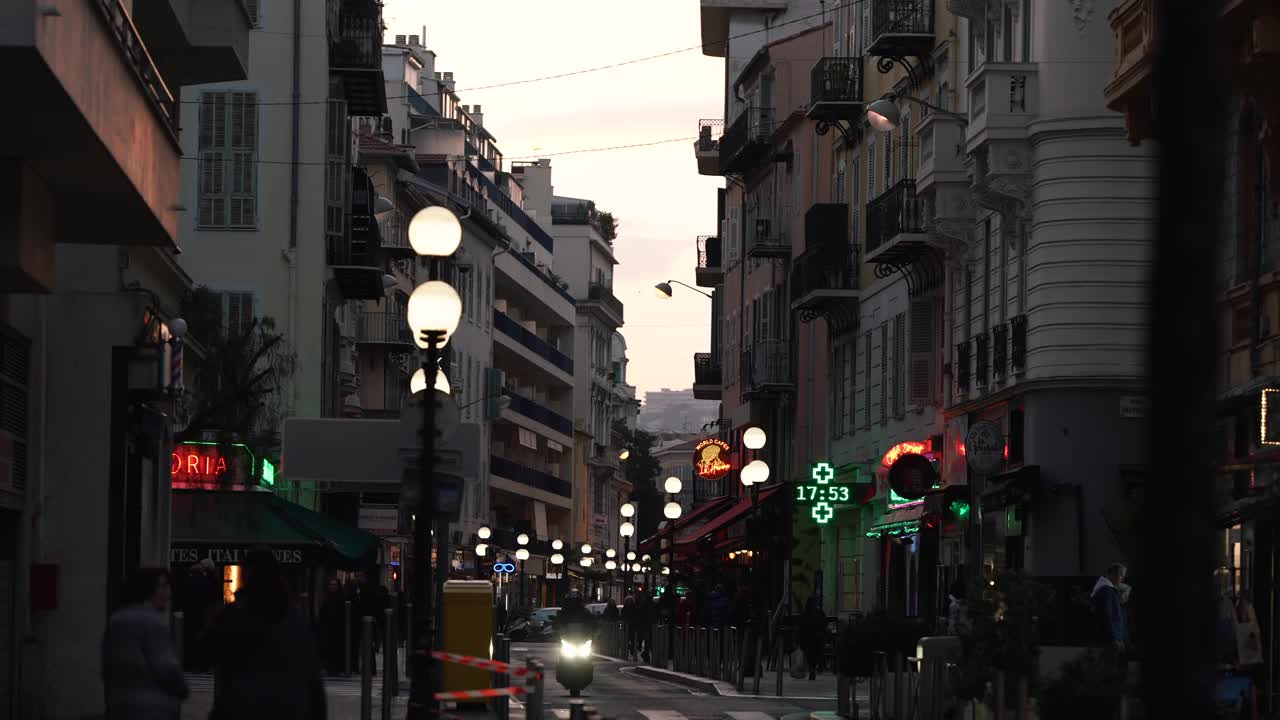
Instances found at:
x=646 y=615
x=141 y=672
x=611 y=611
x=717 y=607
x=266 y=666
x=813 y=631
x=633 y=626
x=332 y=628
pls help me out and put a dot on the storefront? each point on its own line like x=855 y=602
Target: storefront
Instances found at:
x=905 y=539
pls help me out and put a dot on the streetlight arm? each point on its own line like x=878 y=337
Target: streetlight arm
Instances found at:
x=700 y=292
x=934 y=108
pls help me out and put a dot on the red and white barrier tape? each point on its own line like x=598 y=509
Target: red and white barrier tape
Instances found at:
x=513 y=691
x=492 y=665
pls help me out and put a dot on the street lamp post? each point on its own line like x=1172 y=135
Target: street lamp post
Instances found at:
x=626 y=530
x=753 y=475
x=557 y=559
x=433 y=313
x=665 y=291
x=672 y=511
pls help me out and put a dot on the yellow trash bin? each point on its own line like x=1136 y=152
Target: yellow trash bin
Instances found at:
x=468 y=630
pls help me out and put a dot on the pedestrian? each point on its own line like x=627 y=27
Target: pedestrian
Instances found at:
x=332 y=628
x=645 y=617
x=958 y=622
x=813 y=632
x=685 y=610
x=141 y=672
x=633 y=627
x=266 y=666
x=717 y=607
x=1109 y=613
x=611 y=611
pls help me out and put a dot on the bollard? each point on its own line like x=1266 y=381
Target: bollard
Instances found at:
x=899 y=685
x=778 y=656
x=757 y=671
x=842 y=695
x=1020 y=711
x=346 y=638
x=366 y=668
x=577 y=710
x=742 y=648
x=502 y=653
x=533 y=705
x=388 y=663
x=177 y=629
x=1000 y=695
x=713 y=641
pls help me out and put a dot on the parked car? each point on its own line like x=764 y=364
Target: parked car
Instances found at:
x=597 y=609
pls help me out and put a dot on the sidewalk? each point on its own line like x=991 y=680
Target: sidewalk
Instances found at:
x=822 y=688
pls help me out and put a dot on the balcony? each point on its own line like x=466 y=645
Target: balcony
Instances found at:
x=97 y=132
x=942 y=181
x=394 y=232
x=706 y=377
x=600 y=298
x=895 y=226
x=353 y=256
x=536 y=479
x=707 y=146
x=766 y=369
x=1003 y=99
x=1132 y=87
x=768 y=239
x=836 y=90
x=709 y=272
x=539 y=413
x=196 y=41
x=531 y=342
x=386 y=330
x=747 y=142
x=355 y=54
x=901 y=28
x=823 y=280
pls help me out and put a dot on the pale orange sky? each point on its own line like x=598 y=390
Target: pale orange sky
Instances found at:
x=661 y=201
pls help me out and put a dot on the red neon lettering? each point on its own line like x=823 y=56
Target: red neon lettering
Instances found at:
x=222 y=466
x=193 y=464
x=175 y=466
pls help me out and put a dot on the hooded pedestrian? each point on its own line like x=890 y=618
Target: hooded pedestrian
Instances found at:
x=813 y=631
x=332 y=627
x=1108 y=608
x=141 y=672
x=266 y=666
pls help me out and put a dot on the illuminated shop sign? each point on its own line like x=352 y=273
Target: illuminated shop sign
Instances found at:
x=711 y=459
x=823 y=493
x=911 y=472
x=211 y=466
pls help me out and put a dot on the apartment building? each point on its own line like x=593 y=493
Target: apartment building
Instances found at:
x=1247 y=289
x=89 y=290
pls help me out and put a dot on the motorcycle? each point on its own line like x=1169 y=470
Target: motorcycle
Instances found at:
x=574 y=669
x=518 y=629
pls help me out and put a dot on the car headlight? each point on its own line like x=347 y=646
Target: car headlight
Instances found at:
x=575 y=650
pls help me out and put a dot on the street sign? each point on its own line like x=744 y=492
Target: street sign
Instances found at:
x=984 y=447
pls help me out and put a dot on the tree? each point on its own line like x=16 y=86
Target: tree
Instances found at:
x=608 y=226
x=642 y=468
x=238 y=388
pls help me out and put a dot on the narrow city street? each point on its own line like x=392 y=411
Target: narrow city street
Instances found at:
x=619 y=692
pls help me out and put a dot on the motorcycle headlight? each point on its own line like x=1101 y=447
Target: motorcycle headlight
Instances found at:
x=575 y=650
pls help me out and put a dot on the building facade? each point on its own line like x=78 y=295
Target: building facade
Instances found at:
x=87 y=320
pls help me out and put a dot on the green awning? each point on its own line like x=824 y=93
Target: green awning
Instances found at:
x=223 y=525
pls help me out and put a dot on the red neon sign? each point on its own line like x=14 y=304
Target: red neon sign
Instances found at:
x=203 y=467
x=910 y=447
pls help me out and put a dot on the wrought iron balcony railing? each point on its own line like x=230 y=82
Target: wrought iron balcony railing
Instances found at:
x=706 y=369
x=765 y=365
x=837 y=80
x=358 y=42
x=709 y=133
x=894 y=212
x=901 y=17
x=539 y=413
x=750 y=131
x=708 y=252
x=505 y=325
x=597 y=292
x=823 y=268
x=384 y=328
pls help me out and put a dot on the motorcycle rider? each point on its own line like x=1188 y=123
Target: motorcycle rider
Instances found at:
x=574 y=614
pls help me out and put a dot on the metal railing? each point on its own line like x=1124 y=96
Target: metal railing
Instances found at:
x=384 y=328
x=709 y=133
x=837 y=80
x=766 y=363
x=603 y=294
x=394 y=233
x=753 y=126
x=823 y=267
x=358 y=43
x=539 y=413
x=901 y=17
x=706 y=369
x=139 y=60
x=708 y=252
x=543 y=349
x=768 y=238
x=525 y=475
x=894 y=212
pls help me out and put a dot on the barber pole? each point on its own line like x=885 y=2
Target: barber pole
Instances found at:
x=175 y=365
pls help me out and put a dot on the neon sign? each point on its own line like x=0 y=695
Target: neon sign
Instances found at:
x=711 y=459
x=210 y=466
x=895 y=453
x=504 y=568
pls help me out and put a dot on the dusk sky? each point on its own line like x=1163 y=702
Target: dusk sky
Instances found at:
x=660 y=200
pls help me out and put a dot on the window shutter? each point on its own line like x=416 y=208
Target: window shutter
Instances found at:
x=899 y=362
x=866 y=404
x=904 y=141
x=921 y=352
x=871 y=170
x=840 y=183
x=884 y=371
x=211 y=210
x=243 y=147
x=866 y=26
x=888 y=160
x=847 y=384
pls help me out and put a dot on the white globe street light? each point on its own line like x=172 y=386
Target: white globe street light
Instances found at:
x=626 y=453
x=610 y=553
x=435 y=232
x=666 y=571
x=557 y=559
x=586 y=562
x=610 y=565
x=481 y=550
x=635 y=568
x=522 y=539
x=673 y=486
x=671 y=510
x=631 y=556
x=418 y=382
x=434 y=306
x=626 y=529
x=586 y=549
x=484 y=533
x=557 y=545
x=522 y=554
x=627 y=510
x=754 y=473
x=646 y=558
x=754 y=438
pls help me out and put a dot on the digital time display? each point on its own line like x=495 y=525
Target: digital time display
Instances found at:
x=824 y=493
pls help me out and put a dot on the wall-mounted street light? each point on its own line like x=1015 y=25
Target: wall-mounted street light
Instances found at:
x=664 y=289
x=884 y=115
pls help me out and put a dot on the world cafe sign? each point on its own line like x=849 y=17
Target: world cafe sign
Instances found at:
x=711 y=459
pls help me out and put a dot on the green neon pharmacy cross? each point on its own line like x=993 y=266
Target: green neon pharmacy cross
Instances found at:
x=822 y=474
